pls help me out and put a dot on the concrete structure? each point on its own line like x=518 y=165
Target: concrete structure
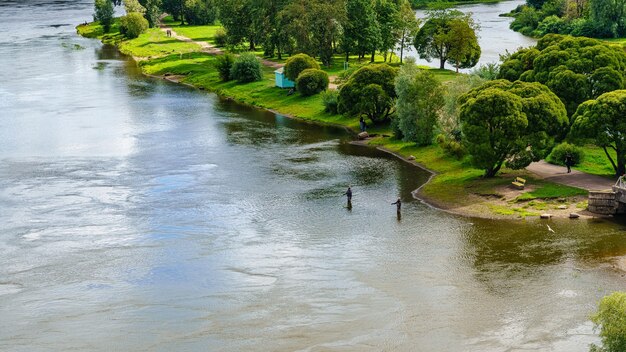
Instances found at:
x=609 y=202
x=281 y=80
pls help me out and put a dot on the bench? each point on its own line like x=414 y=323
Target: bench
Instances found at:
x=519 y=183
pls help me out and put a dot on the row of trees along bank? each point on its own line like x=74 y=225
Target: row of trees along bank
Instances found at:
x=321 y=28
x=589 y=18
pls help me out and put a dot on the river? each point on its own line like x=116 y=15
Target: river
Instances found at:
x=494 y=36
x=140 y=215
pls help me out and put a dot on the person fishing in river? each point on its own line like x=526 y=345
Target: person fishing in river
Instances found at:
x=349 y=194
x=398 y=205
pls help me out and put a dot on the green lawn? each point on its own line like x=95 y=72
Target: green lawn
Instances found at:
x=154 y=43
x=198 y=33
x=595 y=162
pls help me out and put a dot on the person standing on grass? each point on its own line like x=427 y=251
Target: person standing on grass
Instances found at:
x=362 y=124
x=569 y=162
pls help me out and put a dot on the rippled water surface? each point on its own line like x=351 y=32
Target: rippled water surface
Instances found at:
x=140 y=215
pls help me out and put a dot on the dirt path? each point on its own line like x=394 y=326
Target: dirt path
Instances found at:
x=213 y=50
x=210 y=48
x=558 y=174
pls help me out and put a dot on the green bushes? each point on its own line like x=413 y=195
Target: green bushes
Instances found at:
x=298 y=63
x=220 y=37
x=330 y=99
x=312 y=81
x=560 y=152
x=224 y=65
x=246 y=68
x=611 y=319
x=133 y=24
x=450 y=146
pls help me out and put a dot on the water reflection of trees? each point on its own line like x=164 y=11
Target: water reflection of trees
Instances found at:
x=503 y=251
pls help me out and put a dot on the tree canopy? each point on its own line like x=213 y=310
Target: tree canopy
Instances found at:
x=298 y=63
x=575 y=69
x=611 y=319
x=370 y=92
x=516 y=122
x=603 y=121
x=448 y=35
x=420 y=101
x=103 y=13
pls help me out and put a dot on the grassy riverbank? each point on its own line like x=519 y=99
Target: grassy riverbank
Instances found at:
x=456 y=186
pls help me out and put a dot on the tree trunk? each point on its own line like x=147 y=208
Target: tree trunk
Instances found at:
x=491 y=172
x=615 y=167
x=442 y=63
x=373 y=56
x=252 y=47
x=621 y=167
x=347 y=56
x=401 y=50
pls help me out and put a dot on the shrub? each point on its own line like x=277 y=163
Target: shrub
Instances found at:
x=104 y=13
x=224 y=65
x=330 y=100
x=450 y=146
x=220 y=37
x=557 y=156
x=133 y=24
x=298 y=63
x=487 y=71
x=552 y=24
x=312 y=81
x=611 y=319
x=246 y=68
x=199 y=12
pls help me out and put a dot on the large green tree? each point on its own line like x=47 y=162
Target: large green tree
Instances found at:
x=361 y=32
x=464 y=50
x=387 y=16
x=503 y=121
x=407 y=26
x=575 y=69
x=103 y=13
x=243 y=21
x=437 y=38
x=608 y=17
x=370 y=91
x=420 y=101
x=603 y=120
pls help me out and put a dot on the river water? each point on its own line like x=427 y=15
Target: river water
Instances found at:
x=141 y=215
x=494 y=36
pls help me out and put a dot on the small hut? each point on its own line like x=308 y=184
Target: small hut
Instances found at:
x=281 y=80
